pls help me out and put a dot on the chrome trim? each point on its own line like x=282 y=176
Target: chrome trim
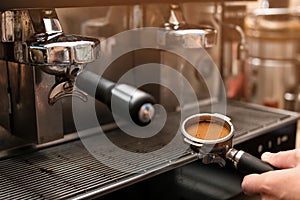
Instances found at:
x=192 y=143
x=146 y=113
x=234 y=156
x=275 y=11
x=61 y=50
x=257 y=62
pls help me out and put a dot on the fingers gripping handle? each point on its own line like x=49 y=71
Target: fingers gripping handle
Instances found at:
x=247 y=163
x=128 y=98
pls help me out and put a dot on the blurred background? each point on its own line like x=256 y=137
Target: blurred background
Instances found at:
x=257 y=52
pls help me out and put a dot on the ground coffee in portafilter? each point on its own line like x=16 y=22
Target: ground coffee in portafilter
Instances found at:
x=206 y=130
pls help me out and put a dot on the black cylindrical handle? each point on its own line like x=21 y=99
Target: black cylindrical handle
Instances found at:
x=125 y=97
x=88 y=81
x=247 y=163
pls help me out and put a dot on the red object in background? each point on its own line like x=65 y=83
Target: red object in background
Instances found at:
x=235 y=86
x=271 y=103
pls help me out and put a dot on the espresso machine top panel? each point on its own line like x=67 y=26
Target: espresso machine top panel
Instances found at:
x=15 y=4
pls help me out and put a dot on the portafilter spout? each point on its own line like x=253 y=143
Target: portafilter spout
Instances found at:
x=219 y=148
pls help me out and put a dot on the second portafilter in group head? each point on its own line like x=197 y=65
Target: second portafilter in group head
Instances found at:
x=139 y=104
x=64 y=56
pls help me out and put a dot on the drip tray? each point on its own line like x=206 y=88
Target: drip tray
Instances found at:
x=71 y=170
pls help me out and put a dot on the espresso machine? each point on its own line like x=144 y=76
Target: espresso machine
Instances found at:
x=46 y=81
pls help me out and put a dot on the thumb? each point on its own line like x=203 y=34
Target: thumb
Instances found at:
x=283 y=159
x=252 y=184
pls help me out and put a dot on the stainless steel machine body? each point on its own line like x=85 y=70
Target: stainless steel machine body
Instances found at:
x=39 y=61
x=273 y=45
x=37 y=58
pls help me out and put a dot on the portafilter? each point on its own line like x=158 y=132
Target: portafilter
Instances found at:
x=211 y=136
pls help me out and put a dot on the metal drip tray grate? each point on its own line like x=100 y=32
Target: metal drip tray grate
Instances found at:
x=66 y=170
x=69 y=170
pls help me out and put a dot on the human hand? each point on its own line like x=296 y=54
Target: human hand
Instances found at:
x=281 y=184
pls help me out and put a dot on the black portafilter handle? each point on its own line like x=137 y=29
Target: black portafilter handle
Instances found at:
x=247 y=163
x=126 y=98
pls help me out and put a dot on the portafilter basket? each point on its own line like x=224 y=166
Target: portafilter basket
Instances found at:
x=219 y=148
